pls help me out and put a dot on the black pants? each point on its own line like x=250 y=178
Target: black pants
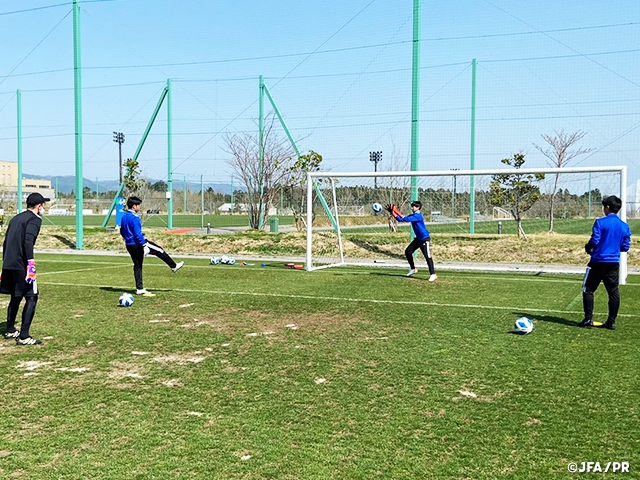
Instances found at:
x=608 y=274
x=13 y=283
x=28 y=312
x=425 y=248
x=137 y=255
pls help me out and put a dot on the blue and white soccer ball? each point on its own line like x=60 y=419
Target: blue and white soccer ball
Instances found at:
x=523 y=325
x=377 y=207
x=215 y=260
x=125 y=300
x=227 y=260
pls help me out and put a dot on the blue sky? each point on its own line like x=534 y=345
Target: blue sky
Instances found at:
x=339 y=71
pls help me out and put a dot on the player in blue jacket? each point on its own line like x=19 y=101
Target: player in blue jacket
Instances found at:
x=422 y=239
x=139 y=247
x=609 y=237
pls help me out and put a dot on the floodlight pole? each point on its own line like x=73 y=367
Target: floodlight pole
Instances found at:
x=375 y=157
x=118 y=137
x=77 y=94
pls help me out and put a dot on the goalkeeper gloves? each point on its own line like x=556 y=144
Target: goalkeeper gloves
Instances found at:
x=146 y=249
x=588 y=249
x=31 y=272
x=393 y=210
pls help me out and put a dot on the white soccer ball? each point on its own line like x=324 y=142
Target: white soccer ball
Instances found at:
x=377 y=207
x=215 y=260
x=125 y=300
x=523 y=325
x=231 y=261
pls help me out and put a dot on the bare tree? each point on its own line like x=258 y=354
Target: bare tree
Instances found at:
x=399 y=187
x=263 y=180
x=559 y=156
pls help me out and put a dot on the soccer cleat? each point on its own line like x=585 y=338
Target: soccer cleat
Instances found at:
x=610 y=324
x=28 y=341
x=10 y=335
x=145 y=293
x=413 y=271
x=177 y=267
x=433 y=278
x=587 y=322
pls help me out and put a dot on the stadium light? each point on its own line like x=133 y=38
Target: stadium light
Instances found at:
x=118 y=137
x=375 y=157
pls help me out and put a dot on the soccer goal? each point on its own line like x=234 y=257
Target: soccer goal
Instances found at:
x=459 y=203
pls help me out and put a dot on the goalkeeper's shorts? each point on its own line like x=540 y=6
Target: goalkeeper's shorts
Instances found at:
x=13 y=283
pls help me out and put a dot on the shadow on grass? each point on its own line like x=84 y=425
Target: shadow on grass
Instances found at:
x=548 y=318
x=130 y=290
x=374 y=249
x=389 y=274
x=65 y=241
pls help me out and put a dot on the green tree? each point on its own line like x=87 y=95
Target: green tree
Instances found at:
x=132 y=181
x=159 y=186
x=296 y=190
x=515 y=192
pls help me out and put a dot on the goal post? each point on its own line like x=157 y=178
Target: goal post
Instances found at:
x=335 y=236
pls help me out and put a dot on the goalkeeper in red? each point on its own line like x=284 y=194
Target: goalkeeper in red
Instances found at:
x=610 y=236
x=422 y=239
x=139 y=247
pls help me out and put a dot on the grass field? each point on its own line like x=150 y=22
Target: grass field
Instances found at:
x=237 y=372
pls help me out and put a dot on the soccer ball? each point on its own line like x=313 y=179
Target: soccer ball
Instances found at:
x=215 y=260
x=377 y=207
x=125 y=300
x=523 y=325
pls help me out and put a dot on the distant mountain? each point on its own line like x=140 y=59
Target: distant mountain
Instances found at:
x=66 y=184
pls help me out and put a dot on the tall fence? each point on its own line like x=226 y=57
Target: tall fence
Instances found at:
x=344 y=91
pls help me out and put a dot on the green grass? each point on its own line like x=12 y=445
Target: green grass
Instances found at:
x=246 y=372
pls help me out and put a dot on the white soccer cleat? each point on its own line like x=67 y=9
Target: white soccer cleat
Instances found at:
x=145 y=293
x=413 y=271
x=433 y=278
x=177 y=267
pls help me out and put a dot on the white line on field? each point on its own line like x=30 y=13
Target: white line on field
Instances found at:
x=577 y=300
x=84 y=269
x=347 y=300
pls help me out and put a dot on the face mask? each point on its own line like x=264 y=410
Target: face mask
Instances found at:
x=41 y=210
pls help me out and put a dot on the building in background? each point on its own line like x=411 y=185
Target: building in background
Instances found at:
x=9 y=184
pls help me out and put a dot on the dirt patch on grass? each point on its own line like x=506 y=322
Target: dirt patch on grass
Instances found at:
x=255 y=323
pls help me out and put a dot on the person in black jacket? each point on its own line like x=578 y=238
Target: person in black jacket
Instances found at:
x=19 y=268
x=609 y=237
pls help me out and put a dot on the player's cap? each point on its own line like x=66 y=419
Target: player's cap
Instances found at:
x=36 y=199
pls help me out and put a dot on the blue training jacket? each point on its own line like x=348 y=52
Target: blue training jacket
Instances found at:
x=609 y=237
x=417 y=223
x=131 y=229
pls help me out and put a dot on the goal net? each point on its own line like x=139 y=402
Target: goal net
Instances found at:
x=479 y=219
